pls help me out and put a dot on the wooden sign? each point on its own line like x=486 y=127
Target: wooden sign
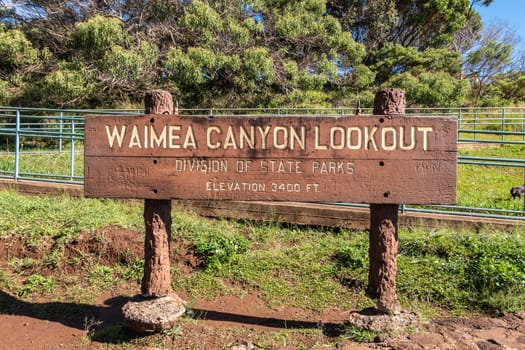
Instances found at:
x=368 y=159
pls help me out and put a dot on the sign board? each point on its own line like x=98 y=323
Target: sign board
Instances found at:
x=367 y=159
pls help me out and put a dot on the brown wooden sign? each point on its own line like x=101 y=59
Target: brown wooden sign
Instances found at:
x=368 y=159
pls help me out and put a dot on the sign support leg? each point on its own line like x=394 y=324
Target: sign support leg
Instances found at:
x=383 y=244
x=160 y=307
x=157 y=219
x=383 y=256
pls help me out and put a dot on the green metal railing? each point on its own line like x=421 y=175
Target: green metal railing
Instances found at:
x=28 y=135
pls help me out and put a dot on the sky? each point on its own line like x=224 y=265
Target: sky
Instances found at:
x=510 y=11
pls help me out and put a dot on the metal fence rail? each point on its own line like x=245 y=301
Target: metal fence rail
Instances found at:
x=29 y=134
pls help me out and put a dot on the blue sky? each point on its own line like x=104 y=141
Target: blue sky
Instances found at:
x=510 y=11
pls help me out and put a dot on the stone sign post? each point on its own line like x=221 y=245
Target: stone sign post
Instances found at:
x=157 y=218
x=385 y=159
x=383 y=241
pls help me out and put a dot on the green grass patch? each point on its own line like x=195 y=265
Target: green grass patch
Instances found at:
x=45 y=162
x=483 y=186
x=482 y=272
x=34 y=217
x=306 y=267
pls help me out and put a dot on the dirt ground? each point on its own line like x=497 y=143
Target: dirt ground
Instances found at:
x=222 y=323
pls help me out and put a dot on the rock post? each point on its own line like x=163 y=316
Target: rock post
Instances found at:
x=383 y=243
x=156 y=281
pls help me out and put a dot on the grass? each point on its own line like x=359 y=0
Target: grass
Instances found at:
x=309 y=268
x=489 y=186
x=35 y=217
x=288 y=266
x=45 y=162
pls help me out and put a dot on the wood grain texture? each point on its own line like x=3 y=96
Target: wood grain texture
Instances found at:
x=369 y=159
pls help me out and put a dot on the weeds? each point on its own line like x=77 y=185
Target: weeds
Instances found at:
x=102 y=276
x=359 y=334
x=134 y=270
x=484 y=272
x=218 y=248
x=24 y=264
x=36 y=283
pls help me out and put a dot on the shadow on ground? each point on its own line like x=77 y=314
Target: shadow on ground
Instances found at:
x=91 y=318
x=104 y=323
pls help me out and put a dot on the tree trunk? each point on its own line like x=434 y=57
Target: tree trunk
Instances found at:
x=156 y=281
x=383 y=246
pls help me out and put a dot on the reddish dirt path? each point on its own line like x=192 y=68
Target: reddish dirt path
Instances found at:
x=23 y=332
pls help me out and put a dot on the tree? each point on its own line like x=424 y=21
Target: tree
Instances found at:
x=19 y=62
x=255 y=53
x=488 y=59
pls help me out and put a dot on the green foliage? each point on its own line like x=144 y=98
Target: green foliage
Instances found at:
x=253 y=54
x=506 y=89
x=300 y=19
x=102 y=275
x=240 y=32
x=219 y=248
x=4 y=95
x=495 y=264
x=361 y=77
x=394 y=59
x=98 y=34
x=485 y=271
x=134 y=270
x=431 y=89
x=351 y=257
x=68 y=85
x=257 y=67
x=487 y=62
x=203 y=21
x=196 y=66
x=358 y=334
x=493 y=51
x=15 y=49
x=36 y=283
x=123 y=64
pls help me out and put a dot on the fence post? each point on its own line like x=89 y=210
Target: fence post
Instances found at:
x=60 y=129
x=475 y=124
x=17 y=144
x=503 y=124
x=459 y=123
x=72 y=151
